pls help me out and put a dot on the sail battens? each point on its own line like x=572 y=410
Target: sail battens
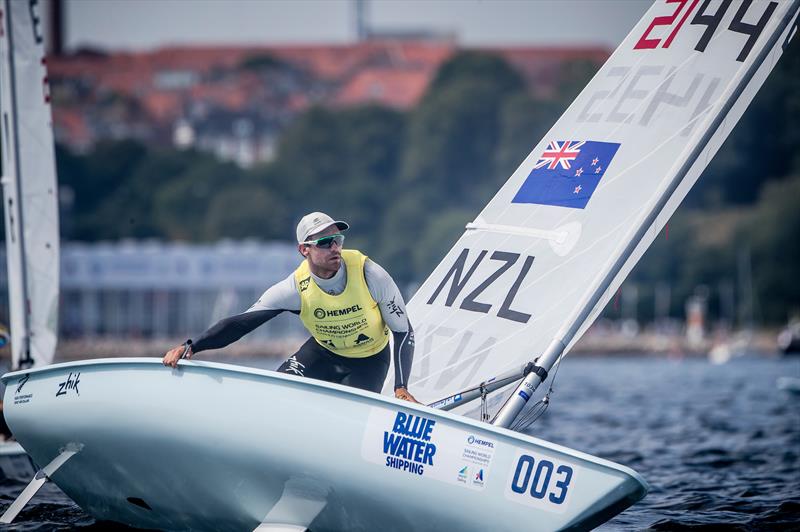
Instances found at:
x=556 y=236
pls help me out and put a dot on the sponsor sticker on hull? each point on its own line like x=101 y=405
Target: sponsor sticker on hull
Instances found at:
x=69 y=385
x=21 y=394
x=411 y=444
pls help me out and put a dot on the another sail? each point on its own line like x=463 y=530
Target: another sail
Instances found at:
x=543 y=258
x=29 y=185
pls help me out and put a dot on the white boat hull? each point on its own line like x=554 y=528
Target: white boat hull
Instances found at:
x=214 y=446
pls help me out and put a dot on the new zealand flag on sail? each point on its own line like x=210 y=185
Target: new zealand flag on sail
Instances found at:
x=567 y=173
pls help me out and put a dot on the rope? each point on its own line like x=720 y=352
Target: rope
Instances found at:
x=484 y=406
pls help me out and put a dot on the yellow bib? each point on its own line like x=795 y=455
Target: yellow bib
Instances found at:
x=349 y=324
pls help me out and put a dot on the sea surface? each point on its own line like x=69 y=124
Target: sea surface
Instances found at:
x=718 y=444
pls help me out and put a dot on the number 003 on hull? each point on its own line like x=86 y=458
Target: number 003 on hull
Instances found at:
x=214 y=446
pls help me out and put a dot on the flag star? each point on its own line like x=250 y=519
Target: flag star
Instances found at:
x=595 y=161
x=598 y=170
x=578 y=172
x=577 y=189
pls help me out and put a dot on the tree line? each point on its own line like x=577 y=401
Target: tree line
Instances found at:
x=409 y=181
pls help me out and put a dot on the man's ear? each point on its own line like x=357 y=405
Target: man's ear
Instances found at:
x=303 y=250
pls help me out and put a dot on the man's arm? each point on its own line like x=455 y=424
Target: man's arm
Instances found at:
x=278 y=298
x=228 y=330
x=403 y=357
x=221 y=334
x=384 y=291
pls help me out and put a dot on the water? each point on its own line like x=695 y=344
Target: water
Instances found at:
x=719 y=445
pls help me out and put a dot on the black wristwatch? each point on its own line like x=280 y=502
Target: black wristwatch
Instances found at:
x=187 y=347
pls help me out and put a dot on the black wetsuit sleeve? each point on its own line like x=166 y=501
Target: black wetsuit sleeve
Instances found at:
x=227 y=331
x=403 y=356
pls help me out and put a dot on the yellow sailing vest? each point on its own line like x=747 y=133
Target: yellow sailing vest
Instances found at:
x=349 y=324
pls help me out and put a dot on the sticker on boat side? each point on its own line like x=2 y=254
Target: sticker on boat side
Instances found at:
x=410 y=444
x=540 y=481
x=69 y=384
x=22 y=396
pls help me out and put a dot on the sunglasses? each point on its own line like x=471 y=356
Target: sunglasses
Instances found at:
x=326 y=241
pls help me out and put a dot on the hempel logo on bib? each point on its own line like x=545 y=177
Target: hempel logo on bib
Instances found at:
x=321 y=313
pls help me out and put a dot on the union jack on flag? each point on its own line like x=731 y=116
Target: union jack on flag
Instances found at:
x=567 y=173
x=560 y=153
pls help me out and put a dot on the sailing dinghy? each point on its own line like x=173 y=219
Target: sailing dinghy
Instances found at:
x=29 y=202
x=215 y=446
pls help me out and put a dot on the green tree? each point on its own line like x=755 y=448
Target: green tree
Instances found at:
x=573 y=76
x=94 y=178
x=773 y=232
x=449 y=160
x=245 y=210
x=523 y=122
x=182 y=201
x=339 y=162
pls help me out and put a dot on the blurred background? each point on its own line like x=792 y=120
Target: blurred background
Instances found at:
x=192 y=136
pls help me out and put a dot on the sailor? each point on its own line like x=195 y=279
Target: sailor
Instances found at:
x=347 y=302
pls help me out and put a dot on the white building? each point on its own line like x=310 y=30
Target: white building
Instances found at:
x=153 y=290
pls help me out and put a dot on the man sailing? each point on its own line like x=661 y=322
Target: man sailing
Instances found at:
x=346 y=301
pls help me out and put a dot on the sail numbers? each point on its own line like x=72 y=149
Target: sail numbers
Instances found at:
x=36 y=21
x=459 y=280
x=626 y=102
x=711 y=20
x=541 y=480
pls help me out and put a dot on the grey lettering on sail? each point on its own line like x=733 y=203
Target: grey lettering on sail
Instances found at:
x=703 y=105
x=633 y=92
x=467 y=351
x=470 y=302
x=466 y=359
x=650 y=82
x=663 y=96
x=614 y=72
x=508 y=260
x=455 y=272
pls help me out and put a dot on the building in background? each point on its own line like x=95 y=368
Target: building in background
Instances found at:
x=236 y=101
x=152 y=290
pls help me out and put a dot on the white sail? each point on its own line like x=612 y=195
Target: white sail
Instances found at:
x=543 y=258
x=29 y=185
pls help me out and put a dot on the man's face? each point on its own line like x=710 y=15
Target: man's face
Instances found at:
x=327 y=259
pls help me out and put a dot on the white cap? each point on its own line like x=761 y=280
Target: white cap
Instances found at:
x=314 y=223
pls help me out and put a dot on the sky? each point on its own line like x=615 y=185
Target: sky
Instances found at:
x=147 y=24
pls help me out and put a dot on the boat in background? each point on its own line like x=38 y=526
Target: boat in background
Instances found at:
x=789 y=339
x=30 y=202
x=222 y=447
x=789 y=384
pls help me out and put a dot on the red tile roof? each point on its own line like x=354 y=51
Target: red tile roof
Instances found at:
x=164 y=106
x=401 y=89
x=70 y=124
x=390 y=72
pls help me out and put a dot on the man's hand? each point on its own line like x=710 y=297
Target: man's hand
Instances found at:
x=402 y=393
x=175 y=354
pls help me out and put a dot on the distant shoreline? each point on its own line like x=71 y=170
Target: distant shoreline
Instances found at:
x=593 y=344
